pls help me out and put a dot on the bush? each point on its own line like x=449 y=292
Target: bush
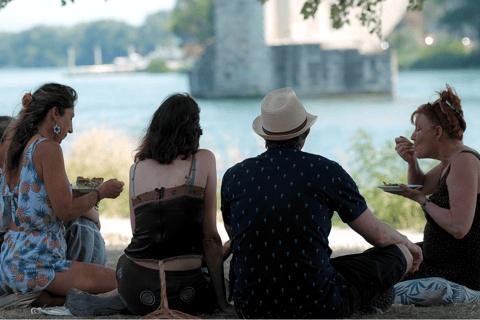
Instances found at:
x=103 y=153
x=371 y=167
x=158 y=65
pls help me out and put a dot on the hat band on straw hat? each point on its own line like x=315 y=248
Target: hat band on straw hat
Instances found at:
x=286 y=132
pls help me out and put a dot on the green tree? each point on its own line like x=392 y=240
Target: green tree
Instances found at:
x=154 y=32
x=39 y=46
x=48 y=46
x=461 y=15
x=340 y=12
x=192 y=20
x=113 y=37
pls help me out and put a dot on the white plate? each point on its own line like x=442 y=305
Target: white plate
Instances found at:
x=397 y=188
x=83 y=190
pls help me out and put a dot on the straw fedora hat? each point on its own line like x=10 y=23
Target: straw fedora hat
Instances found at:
x=283 y=116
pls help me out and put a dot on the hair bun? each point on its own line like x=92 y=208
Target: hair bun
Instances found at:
x=27 y=100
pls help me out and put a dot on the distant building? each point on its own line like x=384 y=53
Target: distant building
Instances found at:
x=262 y=48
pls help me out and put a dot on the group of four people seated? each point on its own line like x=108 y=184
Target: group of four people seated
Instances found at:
x=277 y=210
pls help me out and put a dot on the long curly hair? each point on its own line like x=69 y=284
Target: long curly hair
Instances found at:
x=173 y=131
x=34 y=112
x=445 y=112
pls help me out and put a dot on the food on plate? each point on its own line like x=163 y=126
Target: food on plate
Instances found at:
x=84 y=183
x=390 y=184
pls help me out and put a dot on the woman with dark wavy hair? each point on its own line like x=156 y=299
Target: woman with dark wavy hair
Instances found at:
x=36 y=198
x=452 y=232
x=173 y=203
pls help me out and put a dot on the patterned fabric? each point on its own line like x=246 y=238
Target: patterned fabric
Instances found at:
x=443 y=255
x=279 y=206
x=433 y=291
x=29 y=258
x=85 y=242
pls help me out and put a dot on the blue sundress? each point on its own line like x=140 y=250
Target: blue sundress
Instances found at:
x=30 y=257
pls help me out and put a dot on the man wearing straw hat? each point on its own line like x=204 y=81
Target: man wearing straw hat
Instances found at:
x=277 y=209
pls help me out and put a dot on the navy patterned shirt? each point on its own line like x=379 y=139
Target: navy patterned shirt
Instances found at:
x=279 y=206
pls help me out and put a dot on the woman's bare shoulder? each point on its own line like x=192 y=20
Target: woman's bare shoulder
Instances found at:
x=465 y=161
x=205 y=154
x=48 y=148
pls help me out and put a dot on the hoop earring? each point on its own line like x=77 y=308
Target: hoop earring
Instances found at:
x=56 y=129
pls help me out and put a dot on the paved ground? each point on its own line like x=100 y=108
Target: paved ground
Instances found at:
x=339 y=237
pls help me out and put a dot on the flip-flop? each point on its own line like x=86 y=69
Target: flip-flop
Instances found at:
x=14 y=300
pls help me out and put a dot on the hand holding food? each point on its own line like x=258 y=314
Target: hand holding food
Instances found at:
x=83 y=183
x=111 y=189
x=404 y=149
x=407 y=192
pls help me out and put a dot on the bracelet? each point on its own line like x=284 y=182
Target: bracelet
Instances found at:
x=424 y=204
x=99 y=196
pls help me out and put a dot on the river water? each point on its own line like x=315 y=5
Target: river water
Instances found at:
x=127 y=101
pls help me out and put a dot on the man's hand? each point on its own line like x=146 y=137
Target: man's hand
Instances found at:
x=417 y=255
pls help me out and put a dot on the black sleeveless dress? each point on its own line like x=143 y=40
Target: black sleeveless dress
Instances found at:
x=443 y=255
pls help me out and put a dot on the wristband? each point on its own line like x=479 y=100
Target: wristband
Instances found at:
x=424 y=204
x=99 y=196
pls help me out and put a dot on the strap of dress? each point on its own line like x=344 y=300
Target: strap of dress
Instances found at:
x=35 y=144
x=133 y=179
x=193 y=169
x=475 y=153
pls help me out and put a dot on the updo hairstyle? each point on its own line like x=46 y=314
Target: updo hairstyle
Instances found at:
x=445 y=112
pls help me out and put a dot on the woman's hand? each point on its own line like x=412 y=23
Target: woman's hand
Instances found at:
x=404 y=149
x=111 y=189
x=412 y=194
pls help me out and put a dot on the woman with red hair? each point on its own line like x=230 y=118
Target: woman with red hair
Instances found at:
x=451 y=247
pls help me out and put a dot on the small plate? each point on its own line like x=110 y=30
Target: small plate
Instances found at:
x=397 y=188
x=83 y=190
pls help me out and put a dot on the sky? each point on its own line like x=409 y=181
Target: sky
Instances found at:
x=21 y=15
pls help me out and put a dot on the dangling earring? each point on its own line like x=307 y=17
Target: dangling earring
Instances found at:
x=56 y=129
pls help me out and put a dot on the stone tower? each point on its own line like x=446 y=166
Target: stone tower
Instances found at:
x=238 y=63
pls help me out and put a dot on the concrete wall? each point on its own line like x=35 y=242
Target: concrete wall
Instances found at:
x=240 y=64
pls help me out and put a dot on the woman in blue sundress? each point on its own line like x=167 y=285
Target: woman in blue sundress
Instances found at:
x=35 y=199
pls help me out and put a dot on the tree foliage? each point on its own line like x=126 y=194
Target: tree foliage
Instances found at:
x=48 y=46
x=462 y=15
x=192 y=20
x=340 y=12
